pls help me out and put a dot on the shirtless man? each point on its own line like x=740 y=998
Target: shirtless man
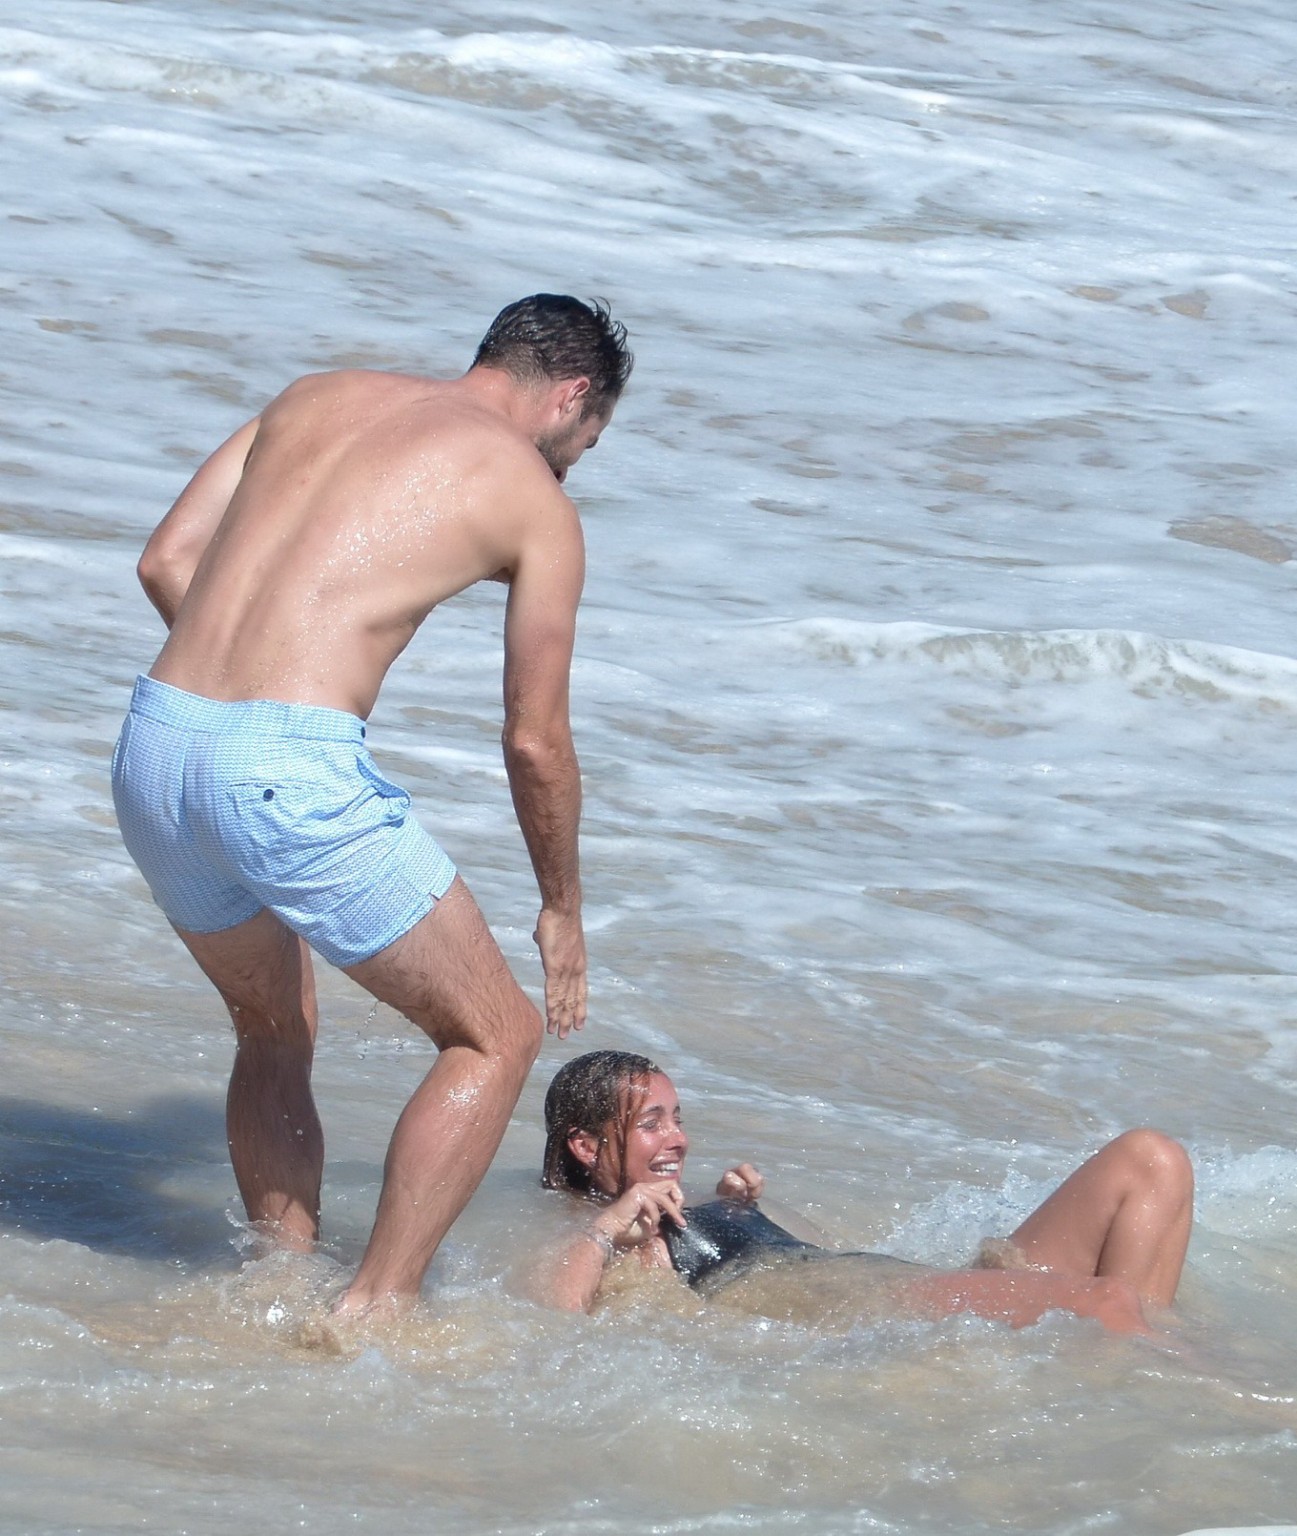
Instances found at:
x=293 y=570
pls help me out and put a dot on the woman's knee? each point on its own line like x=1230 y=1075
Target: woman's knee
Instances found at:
x=1157 y=1162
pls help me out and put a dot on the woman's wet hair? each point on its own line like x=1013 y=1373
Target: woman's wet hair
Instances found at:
x=591 y=1093
x=554 y=336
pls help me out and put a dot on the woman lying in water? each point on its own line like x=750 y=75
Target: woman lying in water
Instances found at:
x=1109 y=1240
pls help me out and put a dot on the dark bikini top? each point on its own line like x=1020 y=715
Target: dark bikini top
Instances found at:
x=725 y=1234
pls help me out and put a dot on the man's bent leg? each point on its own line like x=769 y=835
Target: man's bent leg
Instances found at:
x=263 y=972
x=448 y=976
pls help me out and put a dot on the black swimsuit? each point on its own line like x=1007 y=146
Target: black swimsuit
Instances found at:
x=726 y=1239
x=726 y=1234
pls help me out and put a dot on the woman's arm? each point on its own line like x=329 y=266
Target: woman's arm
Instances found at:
x=570 y=1276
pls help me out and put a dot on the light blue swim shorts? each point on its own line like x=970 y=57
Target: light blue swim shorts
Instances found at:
x=229 y=808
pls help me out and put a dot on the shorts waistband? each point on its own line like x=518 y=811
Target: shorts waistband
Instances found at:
x=162 y=702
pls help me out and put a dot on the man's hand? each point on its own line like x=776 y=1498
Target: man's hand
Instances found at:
x=742 y=1183
x=562 y=953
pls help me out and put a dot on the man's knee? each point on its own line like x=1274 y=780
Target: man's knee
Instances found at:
x=448 y=977
x=285 y=1022
x=510 y=1042
x=524 y=1045
x=272 y=1044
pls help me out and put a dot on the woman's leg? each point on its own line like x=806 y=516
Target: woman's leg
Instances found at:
x=1125 y=1214
x=1021 y=1297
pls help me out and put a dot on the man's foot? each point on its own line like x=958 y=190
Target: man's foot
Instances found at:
x=354 y=1306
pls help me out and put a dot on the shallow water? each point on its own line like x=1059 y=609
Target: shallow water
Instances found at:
x=935 y=695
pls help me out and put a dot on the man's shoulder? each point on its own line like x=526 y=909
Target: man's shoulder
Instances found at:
x=399 y=411
x=375 y=382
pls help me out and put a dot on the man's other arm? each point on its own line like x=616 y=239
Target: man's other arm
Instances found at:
x=176 y=546
x=544 y=775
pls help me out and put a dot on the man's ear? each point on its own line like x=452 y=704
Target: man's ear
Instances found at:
x=584 y=1146
x=574 y=393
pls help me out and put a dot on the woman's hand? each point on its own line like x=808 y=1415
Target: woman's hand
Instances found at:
x=634 y=1218
x=742 y=1183
x=569 y=1276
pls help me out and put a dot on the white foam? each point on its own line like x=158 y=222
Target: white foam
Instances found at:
x=1246 y=1530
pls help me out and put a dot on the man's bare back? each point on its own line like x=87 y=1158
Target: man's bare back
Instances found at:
x=292 y=571
x=362 y=500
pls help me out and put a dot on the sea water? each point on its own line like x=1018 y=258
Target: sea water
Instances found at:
x=936 y=698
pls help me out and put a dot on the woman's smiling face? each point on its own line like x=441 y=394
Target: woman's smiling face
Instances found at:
x=656 y=1143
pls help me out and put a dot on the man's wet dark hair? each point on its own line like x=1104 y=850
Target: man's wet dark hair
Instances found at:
x=554 y=336
x=593 y=1093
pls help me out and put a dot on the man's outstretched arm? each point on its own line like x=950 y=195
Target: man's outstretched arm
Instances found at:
x=544 y=775
x=176 y=546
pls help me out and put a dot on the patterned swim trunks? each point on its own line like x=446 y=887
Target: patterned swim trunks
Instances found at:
x=231 y=807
